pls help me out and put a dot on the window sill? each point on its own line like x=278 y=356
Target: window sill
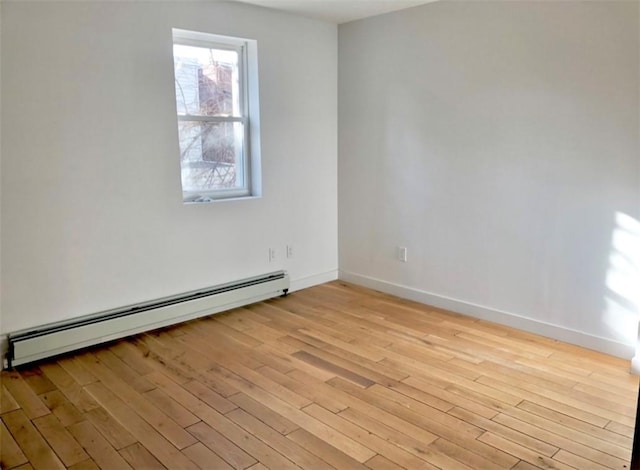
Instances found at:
x=218 y=200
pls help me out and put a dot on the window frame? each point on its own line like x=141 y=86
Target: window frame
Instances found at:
x=247 y=60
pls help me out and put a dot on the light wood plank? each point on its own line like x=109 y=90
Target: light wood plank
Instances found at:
x=112 y=430
x=133 y=357
x=333 y=368
x=37 y=381
x=23 y=395
x=416 y=456
x=84 y=465
x=171 y=408
x=26 y=466
x=506 y=432
x=209 y=396
x=161 y=448
x=36 y=449
x=382 y=463
x=161 y=423
x=325 y=451
x=623 y=430
x=608 y=434
x=522 y=465
x=258 y=466
x=7 y=402
x=277 y=441
x=62 y=408
x=528 y=455
x=73 y=367
x=593 y=449
x=139 y=457
x=10 y=453
x=471 y=459
x=222 y=446
x=205 y=458
x=526 y=391
x=576 y=461
x=123 y=371
x=264 y=414
x=63 y=443
x=74 y=392
x=319 y=429
x=422 y=390
x=302 y=387
x=104 y=455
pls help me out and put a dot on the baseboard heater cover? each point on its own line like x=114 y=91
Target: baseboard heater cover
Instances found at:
x=56 y=338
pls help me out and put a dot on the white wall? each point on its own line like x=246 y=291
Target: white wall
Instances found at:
x=498 y=142
x=92 y=213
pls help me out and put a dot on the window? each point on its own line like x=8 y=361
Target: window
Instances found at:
x=216 y=100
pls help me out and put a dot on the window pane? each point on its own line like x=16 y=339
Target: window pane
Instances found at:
x=207 y=81
x=211 y=155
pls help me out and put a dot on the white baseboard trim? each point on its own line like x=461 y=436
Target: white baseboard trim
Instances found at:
x=310 y=281
x=530 y=325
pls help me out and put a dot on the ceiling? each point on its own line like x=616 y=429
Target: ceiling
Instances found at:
x=338 y=11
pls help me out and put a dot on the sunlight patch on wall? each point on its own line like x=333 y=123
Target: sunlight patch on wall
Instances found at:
x=622 y=300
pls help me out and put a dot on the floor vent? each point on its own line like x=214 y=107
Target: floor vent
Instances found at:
x=56 y=338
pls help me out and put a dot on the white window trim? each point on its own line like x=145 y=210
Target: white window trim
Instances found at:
x=249 y=104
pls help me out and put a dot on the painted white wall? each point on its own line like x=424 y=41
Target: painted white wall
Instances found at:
x=498 y=142
x=92 y=213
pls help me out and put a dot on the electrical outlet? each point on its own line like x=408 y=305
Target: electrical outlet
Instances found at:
x=272 y=255
x=402 y=254
x=289 y=251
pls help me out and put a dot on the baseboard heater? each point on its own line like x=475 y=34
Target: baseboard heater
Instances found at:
x=56 y=338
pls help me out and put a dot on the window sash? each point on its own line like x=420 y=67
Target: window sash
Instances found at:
x=242 y=167
x=241 y=50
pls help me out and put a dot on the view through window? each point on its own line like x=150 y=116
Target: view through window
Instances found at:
x=213 y=121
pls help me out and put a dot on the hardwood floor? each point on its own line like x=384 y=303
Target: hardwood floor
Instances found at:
x=335 y=376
